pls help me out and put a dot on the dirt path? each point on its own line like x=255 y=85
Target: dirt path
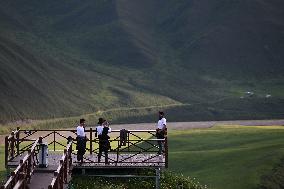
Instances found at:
x=201 y=124
x=187 y=125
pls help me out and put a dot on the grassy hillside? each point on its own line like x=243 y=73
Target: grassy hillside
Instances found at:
x=67 y=58
x=227 y=156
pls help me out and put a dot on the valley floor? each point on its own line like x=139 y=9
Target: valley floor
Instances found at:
x=190 y=125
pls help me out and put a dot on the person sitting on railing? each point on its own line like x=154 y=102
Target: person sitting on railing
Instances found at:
x=81 y=140
x=104 y=144
x=161 y=130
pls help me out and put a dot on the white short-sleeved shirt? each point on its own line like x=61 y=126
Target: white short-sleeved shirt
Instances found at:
x=100 y=129
x=161 y=123
x=81 y=131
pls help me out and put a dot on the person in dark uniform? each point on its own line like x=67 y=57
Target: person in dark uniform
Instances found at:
x=104 y=144
x=81 y=141
x=161 y=131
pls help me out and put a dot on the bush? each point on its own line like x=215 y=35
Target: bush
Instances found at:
x=274 y=179
x=168 y=180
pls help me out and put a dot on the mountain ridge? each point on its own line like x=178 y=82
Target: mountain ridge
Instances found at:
x=68 y=58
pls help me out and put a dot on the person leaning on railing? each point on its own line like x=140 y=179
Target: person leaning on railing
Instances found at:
x=81 y=140
x=161 y=131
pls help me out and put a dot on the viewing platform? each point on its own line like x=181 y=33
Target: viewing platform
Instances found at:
x=130 y=150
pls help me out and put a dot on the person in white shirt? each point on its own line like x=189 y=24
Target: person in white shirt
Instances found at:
x=81 y=140
x=100 y=127
x=104 y=145
x=161 y=130
x=101 y=124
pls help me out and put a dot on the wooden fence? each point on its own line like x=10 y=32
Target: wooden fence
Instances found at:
x=137 y=142
x=22 y=175
x=134 y=144
x=61 y=174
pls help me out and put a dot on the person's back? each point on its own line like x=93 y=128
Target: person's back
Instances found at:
x=100 y=126
x=99 y=130
x=104 y=144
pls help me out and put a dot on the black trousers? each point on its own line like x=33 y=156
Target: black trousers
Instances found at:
x=160 y=135
x=103 y=148
x=81 y=147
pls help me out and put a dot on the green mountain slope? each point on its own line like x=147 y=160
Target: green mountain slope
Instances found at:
x=66 y=58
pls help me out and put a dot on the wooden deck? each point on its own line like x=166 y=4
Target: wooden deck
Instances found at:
x=124 y=160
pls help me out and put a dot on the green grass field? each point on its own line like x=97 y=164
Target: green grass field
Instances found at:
x=232 y=157
x=223 y=157
x=2 y=164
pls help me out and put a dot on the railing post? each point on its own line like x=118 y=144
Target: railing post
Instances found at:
x=117 y=152
x=40 y=139
x=6 y=152
x=54 y=141
x=29 y=166
x=128 y=141
x=22 y=177
x=158 y=176
x=12 y=144
x=18 y=140
x=70 y=156
x=65 y=166
x=166 y=152
x=61 y=175
x=91 y=139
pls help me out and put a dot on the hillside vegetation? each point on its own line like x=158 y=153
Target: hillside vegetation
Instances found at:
x=67 y=58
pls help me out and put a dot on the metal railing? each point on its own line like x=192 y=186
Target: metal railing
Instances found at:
x=134 y=146
x=137 y=143
x=22 y=175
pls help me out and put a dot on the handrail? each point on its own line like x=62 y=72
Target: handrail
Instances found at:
x=11 y=142
x=88 y=130
x=24 y=170
x=134 y=145
x=61 y=173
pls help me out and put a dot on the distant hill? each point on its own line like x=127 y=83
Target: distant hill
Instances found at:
x=64 y=58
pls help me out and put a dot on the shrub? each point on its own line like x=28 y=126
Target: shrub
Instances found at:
x=168 y=180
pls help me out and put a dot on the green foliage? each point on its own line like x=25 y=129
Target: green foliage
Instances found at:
x=3 y=173
x=275 y=178
x=168 y=180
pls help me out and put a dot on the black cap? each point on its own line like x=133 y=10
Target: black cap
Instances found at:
x=82 y=120
x=101 y=120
